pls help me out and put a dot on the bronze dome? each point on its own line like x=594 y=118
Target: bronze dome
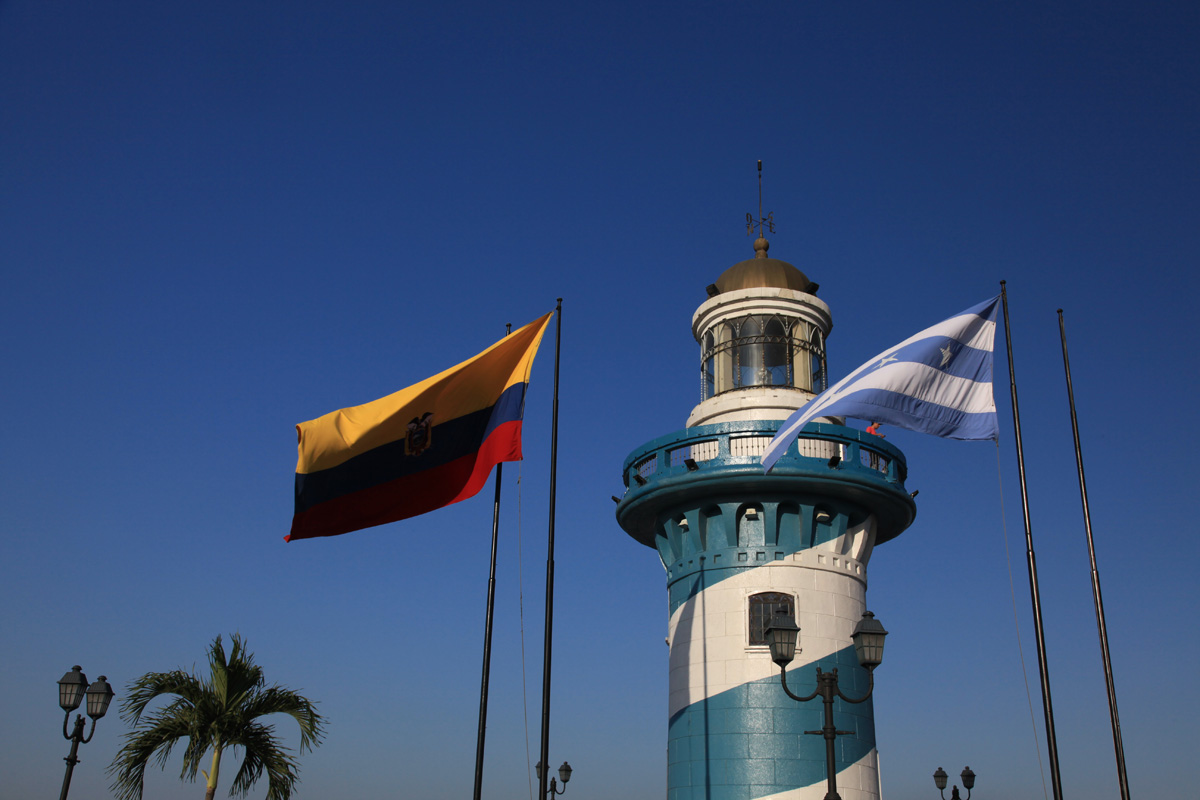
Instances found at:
x=757 y=273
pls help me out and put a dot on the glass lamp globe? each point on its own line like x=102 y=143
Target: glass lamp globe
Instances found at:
x=782 y=634
x=99 y=695
x=70 y=689
x=868 y=640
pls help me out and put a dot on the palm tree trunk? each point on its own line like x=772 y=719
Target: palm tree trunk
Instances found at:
x=213 y=773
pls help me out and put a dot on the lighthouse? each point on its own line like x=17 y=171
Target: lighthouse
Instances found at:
x=740 y=546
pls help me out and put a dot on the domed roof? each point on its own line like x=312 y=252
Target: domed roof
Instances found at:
x=763 y=272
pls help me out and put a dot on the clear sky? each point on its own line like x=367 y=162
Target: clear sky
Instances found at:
x=220 y=219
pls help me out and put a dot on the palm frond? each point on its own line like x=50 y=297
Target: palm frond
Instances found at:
x=154 y=740
x=278 y=700
x=244 y=674
x=218 y=669
x=155 y=684
x=234 y=675
x=263 y=753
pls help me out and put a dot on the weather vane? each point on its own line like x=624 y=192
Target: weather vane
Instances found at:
x=768 y=221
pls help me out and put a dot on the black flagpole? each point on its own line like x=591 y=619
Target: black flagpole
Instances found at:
x=487 y=629
x=1043 y=668
x=544 y=760
x=1099 y=601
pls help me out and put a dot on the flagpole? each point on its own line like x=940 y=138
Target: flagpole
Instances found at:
x=487 y=629
x=544 y=758
x=487 y=640
x=1031 y=561
x=1122 y=779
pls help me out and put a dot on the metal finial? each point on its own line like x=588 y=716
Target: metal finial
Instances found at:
x=766 y=223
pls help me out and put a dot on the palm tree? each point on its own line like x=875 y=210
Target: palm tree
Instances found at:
x=214 y=713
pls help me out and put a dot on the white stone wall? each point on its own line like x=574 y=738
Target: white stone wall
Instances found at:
x=708 y=635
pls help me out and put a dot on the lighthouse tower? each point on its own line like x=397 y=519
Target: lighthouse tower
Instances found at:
x=739 y=545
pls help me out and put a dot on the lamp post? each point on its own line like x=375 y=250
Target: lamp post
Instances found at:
x=968 y=781
x=868 y=646
x=71 y=692
x=564 y=773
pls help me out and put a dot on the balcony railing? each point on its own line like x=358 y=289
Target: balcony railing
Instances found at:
x=731 y=444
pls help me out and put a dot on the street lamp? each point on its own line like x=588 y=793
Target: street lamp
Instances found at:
x=71 y=693
x=968 y=780
x=564 y=773
x=868 y=646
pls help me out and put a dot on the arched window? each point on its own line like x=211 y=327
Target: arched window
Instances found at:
x=724 y=358
x=775 y=354
x=764 y=606
x=751 y=371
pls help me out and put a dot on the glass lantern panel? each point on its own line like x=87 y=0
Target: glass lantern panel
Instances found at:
x=868 y=646
x=751 y=370
x=724 y=359
x=775 y=353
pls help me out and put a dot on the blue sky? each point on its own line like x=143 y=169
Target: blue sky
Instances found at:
x=220 y=219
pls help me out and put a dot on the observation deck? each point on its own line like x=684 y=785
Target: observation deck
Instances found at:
x=832 y=473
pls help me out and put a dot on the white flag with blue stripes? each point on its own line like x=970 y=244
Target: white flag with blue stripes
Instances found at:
x=938 y=381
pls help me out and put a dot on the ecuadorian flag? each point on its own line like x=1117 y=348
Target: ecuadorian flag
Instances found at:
x=422 y=448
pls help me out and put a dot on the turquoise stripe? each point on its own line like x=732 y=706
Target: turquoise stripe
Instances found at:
x=749 y=741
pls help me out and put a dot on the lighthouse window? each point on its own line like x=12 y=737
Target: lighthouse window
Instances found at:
x=764 y=606
x=761 y=350
x=751 y=370
x=775 y=353
x=724 y=358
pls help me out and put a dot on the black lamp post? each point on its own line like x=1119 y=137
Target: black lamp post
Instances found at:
x=968 y=780
x=868 y=645
x=564 y=773
x=71 y=692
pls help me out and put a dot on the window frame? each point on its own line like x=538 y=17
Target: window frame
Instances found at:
x=770 y=600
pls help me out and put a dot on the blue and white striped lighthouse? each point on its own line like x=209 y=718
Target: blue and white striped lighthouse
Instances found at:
x=739 y=545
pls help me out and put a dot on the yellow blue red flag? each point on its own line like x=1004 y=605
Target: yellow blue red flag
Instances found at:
x=416 y=450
